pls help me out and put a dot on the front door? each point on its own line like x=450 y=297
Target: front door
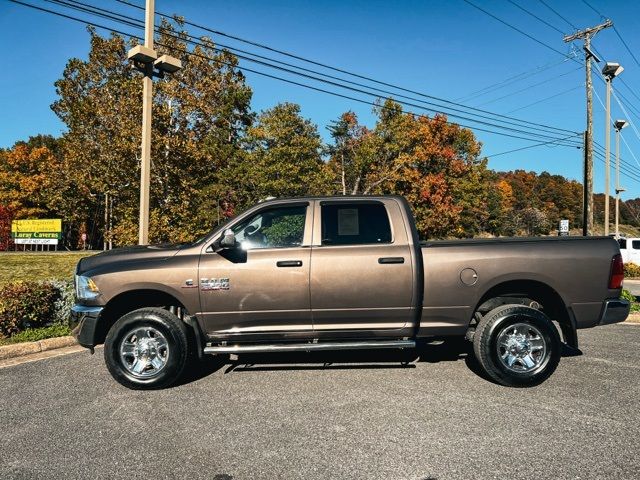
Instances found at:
x=361 y=271
x=262 y=286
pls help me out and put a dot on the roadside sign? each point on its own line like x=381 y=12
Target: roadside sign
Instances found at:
x=36 y=232
x=564 y=228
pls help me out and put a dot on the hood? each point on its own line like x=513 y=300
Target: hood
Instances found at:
x=127 y=254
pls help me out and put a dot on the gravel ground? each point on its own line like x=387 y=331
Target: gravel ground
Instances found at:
x=328 y=416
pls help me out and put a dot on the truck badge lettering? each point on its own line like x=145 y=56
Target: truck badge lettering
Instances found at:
x=207 y=284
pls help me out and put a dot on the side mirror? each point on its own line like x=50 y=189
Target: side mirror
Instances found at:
x=228 y=240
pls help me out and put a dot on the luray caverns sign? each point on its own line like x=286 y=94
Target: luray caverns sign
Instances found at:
x=36 y=232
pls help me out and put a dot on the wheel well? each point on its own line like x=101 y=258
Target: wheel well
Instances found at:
x=129 y=301
x=534 y=294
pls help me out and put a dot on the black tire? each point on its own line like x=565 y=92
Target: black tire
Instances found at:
x=528 y=323
x=169 y=330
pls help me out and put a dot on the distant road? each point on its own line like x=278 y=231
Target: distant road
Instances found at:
x=633 y=286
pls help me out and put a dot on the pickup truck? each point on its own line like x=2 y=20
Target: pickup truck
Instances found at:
x=332 y=273
x=630 y=250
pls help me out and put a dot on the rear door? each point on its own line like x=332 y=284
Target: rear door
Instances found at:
x=361 y=267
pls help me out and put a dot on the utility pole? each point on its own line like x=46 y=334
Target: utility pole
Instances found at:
x=145 y=58
x=587 y=211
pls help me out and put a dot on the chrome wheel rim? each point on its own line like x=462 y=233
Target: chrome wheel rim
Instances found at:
x=144 y=352
x=521 y=348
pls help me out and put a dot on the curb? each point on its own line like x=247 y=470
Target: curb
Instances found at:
x=28 y=348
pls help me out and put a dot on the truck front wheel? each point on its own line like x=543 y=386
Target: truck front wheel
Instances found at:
x=146 y=349
x=517 y=346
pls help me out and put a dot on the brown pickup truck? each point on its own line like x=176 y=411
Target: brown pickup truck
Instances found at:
x=335 y=273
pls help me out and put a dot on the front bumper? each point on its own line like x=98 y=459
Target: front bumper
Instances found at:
x=84 y=322
x=614 y=311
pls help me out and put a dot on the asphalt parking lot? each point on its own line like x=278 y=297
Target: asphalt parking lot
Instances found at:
x=357 y=416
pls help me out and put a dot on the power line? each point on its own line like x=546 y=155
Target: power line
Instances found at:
x=531 y=86
x=623 y=109
x=527 y=147
x=592 y=8
x=132 y=22
x=628 y=166
x=536 y=17
x=512 y=27
x=545 y=99
x=623 y=170
x=286 y=80
x=510 y=80
x=626 y=46
x=558 y=14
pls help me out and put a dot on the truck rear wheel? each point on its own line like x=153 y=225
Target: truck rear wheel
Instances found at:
x=517 y=346
x=146 y=349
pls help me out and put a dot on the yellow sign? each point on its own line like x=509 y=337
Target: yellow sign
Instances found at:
x=49 y=225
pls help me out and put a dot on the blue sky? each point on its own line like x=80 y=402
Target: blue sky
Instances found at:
x=443 y=48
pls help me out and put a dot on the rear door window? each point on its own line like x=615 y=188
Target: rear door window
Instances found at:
x=355 y=223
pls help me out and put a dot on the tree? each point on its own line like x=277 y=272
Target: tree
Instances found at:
x=200 y=114
x=348 y=156
x=430 y=161
x=6 y=216
x=28 y=176
x=282 y=158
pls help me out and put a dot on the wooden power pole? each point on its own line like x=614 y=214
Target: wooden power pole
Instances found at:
x=587 y=210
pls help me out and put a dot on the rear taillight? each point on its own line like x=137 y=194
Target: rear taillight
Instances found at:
x=617 y=272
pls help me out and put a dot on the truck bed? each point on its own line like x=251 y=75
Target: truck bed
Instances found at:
x=461 y=274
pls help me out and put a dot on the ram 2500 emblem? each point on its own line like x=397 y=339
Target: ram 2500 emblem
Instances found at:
x=214 y=284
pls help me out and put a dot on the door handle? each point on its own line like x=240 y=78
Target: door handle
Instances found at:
x=289 y=263
x=387 y=260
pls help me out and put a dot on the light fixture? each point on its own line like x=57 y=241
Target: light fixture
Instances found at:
x=620 y=124
x=612 y=70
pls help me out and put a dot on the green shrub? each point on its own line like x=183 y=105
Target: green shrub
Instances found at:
x=627 y=295
x=66 y=298
x=34 y=334
x=26 y=305
x=631 y=270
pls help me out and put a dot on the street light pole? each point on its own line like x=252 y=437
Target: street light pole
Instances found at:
x=145 y=59
x=619 y=125
x=147 y=104
x=610 y=71
x=607 y=163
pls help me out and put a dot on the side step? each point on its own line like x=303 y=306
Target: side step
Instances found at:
x=311 y=347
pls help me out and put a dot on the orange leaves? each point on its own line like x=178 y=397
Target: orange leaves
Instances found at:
x=27 y=175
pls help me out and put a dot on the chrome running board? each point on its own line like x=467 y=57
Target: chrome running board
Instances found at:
x=310 y=347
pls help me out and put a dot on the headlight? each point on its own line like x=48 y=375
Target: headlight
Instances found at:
x=86 y=288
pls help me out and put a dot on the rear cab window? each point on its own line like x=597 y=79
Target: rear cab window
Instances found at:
x=358 y=223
